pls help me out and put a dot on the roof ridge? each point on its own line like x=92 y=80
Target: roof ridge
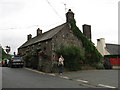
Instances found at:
x=44 y=36
x=54 y=28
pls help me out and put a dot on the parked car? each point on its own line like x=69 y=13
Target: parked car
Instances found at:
x=3 y=63
x=16 y=61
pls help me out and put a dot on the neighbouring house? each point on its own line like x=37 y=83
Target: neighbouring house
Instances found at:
x=107 y=48
x=111 y=52
x=42 y=47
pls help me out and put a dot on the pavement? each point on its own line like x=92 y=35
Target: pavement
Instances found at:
x=91 y=78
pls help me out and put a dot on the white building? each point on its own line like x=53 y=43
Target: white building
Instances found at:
x=107 y=49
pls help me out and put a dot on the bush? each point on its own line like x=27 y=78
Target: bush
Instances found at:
x=99 y=66
x=73 y=57
x=107 y=64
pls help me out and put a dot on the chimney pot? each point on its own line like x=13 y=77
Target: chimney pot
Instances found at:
x=29 y=37
x=39 y=32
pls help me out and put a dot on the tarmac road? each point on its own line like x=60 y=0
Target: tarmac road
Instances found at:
x=22 y=78
x=104 y=78
x=28 y=78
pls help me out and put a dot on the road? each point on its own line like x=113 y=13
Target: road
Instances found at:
x=27 y=78
x=22 y=78
x=106 y=78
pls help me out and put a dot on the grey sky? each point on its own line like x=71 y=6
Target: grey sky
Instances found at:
x=18 y=18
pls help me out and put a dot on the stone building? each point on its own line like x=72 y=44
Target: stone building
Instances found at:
x=43 y=45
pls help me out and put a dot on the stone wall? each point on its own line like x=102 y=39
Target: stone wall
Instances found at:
x=66 y=37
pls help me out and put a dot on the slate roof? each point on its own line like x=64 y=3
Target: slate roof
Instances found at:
x=113 y=48
x=45 y=36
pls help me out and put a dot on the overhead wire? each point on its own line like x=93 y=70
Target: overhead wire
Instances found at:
x=14 y=28
x=27 y=27
x=55 y=10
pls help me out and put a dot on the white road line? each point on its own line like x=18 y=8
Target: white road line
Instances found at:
x=52 y=74
x=65 y=77
x=106 y=86
x=82 y=81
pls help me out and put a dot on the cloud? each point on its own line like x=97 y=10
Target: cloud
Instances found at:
x=10 y=7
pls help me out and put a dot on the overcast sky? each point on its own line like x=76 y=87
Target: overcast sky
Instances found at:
x=18 y=18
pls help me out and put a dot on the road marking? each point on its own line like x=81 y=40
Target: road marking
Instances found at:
x=64 y=77
x=35 y=71
x=52 y=74
x=106 y=86
x=82 y=81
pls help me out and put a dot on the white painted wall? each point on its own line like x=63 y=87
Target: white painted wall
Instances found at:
x=101 y=47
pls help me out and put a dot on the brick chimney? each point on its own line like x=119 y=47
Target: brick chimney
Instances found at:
x=87 y=31
x=39 y=32
x=29 y=37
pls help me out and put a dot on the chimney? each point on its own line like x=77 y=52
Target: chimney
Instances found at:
x=29 y=37
x=69 y=15
x=87 y=31
x=101 y=45
x=39 y=32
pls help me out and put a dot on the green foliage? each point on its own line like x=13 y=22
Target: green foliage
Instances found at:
x=73 y=57
x=91 y=53
x=3 y=55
